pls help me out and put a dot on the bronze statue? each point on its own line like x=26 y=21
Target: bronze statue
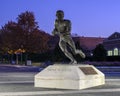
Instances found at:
x=63 y=29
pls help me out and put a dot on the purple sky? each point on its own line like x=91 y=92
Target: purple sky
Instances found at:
x=88 y=17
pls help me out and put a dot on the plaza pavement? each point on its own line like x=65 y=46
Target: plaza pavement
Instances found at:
x=22 y=84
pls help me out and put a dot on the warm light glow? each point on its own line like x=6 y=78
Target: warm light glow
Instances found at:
x=18 y=51
x=10 y=51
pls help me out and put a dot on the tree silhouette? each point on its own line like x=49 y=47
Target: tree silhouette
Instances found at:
x=26 y=21
x=99 y=53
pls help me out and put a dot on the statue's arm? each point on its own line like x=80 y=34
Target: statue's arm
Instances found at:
x=55 y=31
x=68 y=26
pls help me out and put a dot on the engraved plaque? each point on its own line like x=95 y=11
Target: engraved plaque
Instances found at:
x=88 y=70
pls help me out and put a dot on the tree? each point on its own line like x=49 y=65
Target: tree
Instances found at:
x=34 y=40
x=99 y=53
x=24 y=34
x=8 y=36
x=27 y=25
x=7 y=43
x=26 y=21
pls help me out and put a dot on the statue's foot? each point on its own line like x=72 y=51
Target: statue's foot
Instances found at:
x=80 y=53
x=73 y=62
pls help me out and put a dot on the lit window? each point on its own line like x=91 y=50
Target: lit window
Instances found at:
x=116 y=52
x=110 y=53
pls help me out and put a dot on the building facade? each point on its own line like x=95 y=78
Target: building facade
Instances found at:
x=112 y=44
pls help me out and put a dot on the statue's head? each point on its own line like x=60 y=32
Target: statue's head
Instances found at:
x=60 y=14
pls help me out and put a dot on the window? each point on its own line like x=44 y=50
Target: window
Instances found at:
x=110 y=53
x=116 y=52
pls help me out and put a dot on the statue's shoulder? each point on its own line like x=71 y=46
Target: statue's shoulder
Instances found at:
x=67 y=21
x=56 y=22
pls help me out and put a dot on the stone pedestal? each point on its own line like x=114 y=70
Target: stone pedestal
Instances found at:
x=69 y=77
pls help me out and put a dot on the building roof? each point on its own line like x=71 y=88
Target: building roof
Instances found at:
x=90 y=43
x=115 y=35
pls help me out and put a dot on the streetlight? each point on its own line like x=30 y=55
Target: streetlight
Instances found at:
x=19 y=51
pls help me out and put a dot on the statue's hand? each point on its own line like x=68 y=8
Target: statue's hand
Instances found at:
x=55 y=33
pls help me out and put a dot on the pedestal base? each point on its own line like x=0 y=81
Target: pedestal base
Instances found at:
x=69 y=77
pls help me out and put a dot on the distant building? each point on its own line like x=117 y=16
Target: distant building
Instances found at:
x=88 y=44
x=112 y=44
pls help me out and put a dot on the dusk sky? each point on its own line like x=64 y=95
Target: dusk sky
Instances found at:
x=89 y=17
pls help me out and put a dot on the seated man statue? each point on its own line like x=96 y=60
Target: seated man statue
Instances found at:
x=62 y=29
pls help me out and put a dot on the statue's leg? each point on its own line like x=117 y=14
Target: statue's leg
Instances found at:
x=63 y=47
x=74 y=50
x=72 y=45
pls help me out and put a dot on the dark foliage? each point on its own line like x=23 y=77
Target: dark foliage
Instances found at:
x=99 y=53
